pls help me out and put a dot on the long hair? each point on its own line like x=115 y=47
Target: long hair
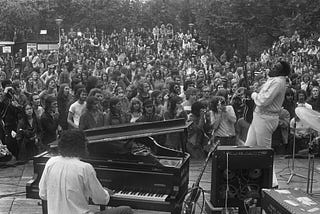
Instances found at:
x=214 y=103
x=134 y=101
x=61 y=91
x=48 y=101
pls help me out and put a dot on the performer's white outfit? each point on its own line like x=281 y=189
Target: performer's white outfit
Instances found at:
x=266 y=115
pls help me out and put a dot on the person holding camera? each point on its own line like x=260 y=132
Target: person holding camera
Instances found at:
x=10 y=112
x=223 y=119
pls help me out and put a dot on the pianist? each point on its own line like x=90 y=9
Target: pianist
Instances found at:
x=67 y=183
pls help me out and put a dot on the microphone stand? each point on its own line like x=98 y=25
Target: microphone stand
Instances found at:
x=292 y=171
x=310 y=166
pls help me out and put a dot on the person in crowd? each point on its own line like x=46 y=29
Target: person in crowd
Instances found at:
x=37 y=84
x=301 y=97
x=312 y=100
x=50 y=73
x=125 y=103
x=28 y=134
x=135 y=109
x=115 y=116
x=51 y=90
x=149 y=113
x=222 y=120
x=197 y=138
x=280 y=137
x=76 y=108
x=97 y=92
x=191 y=97
x=301 y=133
x=49 y=122
x=289 y=102
x=63 y=100
x=92 y=116
x=60 y=185
x=19 y=95
x=174 y=111
x=10 y=112
x=158 y=102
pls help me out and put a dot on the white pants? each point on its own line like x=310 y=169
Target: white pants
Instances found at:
x=261 y=129
x=260 y=134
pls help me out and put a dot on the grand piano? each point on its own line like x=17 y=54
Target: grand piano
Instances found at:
x=129 y=160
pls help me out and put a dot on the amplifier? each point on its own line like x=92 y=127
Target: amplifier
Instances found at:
x=288 y=201
x=244 y=170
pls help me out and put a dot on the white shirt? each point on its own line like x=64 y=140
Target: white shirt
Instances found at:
x=76 y=109
x=67 y=183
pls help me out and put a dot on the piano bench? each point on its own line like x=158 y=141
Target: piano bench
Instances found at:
x=44 y=206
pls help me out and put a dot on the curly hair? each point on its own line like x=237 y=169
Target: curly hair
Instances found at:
x=72 y=143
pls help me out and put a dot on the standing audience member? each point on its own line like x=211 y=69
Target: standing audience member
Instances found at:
x=175 y=111
x=135 y=109
x=10 y=112
x=92 y=116
x=49 y=122
x=63 y=99
x=223 y=119
x=149 y=113
x=115 y=116
x=28 y=134
x=197 y=137
x=76 y=108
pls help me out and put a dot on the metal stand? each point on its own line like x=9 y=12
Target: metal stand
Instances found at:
x=292 y=172
x=310 y=167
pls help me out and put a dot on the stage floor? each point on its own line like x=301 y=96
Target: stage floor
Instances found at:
x=13 y=182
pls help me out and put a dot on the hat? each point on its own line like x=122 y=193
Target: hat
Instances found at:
x=147 y=103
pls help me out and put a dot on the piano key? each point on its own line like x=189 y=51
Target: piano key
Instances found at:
x=140 y=195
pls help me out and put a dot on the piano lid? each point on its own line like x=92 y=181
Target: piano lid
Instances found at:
x=135 y=130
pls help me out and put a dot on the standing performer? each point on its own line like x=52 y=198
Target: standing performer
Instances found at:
x=268 y=102
x=268 y=105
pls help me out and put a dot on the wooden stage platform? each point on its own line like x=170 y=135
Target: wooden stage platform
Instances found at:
x=13 y=181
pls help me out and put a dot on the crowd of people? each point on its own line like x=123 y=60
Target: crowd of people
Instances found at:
x=96 y=80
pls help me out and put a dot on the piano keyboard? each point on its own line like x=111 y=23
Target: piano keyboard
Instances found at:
x=139 y=195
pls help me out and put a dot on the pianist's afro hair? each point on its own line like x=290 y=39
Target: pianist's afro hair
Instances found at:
x=72 y=143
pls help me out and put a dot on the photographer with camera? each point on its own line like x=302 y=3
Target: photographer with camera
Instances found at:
x=223 y=119
x=10 y=112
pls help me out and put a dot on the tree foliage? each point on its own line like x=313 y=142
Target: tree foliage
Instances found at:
x=247 y=25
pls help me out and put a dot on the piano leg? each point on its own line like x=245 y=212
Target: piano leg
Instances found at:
x=44 y=207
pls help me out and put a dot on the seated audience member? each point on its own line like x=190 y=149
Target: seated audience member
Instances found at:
x=67 y=183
